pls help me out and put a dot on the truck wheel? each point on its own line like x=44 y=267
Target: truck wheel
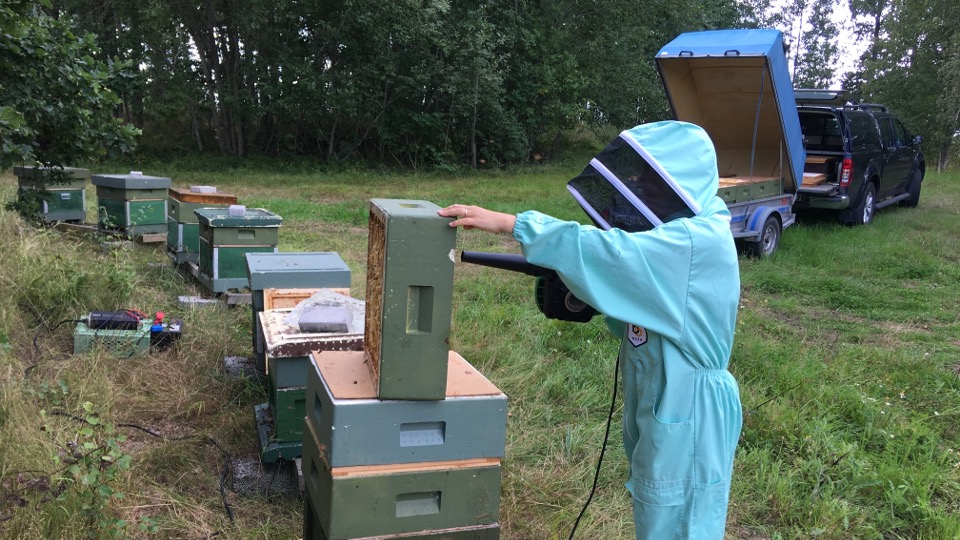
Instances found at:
x=914 y=190
x=769 y=238
x=863 y=214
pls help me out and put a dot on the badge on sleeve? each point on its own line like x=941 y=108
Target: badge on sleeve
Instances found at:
x=637 y=335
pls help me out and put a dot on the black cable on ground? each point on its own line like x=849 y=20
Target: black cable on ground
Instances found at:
x=606 y=437
x=36 y=337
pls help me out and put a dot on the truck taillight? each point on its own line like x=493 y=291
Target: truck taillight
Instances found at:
x=845 y=170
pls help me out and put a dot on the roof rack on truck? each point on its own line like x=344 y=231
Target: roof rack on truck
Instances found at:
x=820 y=97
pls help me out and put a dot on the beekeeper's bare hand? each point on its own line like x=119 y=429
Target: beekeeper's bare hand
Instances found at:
x=470 y=217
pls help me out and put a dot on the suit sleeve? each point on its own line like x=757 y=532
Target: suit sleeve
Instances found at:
x=638 y=278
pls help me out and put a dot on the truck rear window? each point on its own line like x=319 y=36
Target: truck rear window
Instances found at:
x=821 y=131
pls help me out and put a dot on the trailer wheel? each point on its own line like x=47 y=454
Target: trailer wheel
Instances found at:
x=769 y=238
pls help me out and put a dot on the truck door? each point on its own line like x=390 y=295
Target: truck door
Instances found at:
x=897 y=158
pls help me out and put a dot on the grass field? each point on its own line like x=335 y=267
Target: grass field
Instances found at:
x=847 y=354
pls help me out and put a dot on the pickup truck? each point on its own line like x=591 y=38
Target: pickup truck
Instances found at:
x=860 y=157
x=735 y=84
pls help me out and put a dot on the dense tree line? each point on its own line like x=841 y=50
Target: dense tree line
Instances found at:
x=427 y=82
x=408 y=82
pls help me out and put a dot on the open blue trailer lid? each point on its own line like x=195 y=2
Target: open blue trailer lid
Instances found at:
x=736 y=85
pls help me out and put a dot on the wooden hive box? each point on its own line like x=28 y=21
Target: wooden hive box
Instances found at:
x=287 y=360
x=183 y=229
x=133 y=203
x=63 y=196
x=377 y=501
x=225 y=241
x=312 y=530
x=410 y=258
x=298 y=271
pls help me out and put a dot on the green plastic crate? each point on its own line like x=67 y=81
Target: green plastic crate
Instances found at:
x=120 y=343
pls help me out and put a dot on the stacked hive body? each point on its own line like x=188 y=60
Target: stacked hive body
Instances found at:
x=226 y=237
x=375 y=467
x=61 y=193
x=183 y=227
x=388 y=451
x=280 y=422
x=288 y=271
x=132 y=204
x=281 y=349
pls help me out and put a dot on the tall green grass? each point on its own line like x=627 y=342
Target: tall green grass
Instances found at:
x=847 y=353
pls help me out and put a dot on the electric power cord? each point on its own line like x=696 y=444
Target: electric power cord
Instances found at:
x=606 y=437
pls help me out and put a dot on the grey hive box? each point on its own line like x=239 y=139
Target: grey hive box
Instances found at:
x=135 y=204
x=301 y=270
x=225 y=241
x=354 y=427
x=183 y=228
x=410 y=256
x=63 y=200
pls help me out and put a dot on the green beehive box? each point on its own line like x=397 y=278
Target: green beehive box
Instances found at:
x=134 y=217
x=313 y=531
x=121 y=194
x=60 y=204
x=183 y=241
x=223 y=268
x=302 y=270
x=256 y=227
x=353 y=427
x=288 y=357
x=62 y=194
x=119 y=343
x=410 y=254
x=355 y=502
x=133 y=203
x=272 y=447
x=287 y=405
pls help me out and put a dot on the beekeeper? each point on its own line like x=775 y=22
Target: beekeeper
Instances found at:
x=671 y=291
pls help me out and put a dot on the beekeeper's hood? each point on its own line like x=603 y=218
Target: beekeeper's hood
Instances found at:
x=649 y=175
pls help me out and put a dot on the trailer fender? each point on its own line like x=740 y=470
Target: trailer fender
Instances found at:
x=759 y=217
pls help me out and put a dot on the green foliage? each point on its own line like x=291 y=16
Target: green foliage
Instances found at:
x=90 y=464
x=911 y=67
x=420 y=85
x=57 y=105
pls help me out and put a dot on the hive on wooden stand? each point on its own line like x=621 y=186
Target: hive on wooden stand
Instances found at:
x=410 y=257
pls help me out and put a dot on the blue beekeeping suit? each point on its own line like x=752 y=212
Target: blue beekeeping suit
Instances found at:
x=672 y=294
